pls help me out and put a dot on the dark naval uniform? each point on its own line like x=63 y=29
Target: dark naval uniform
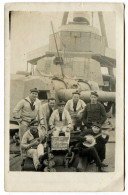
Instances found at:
x=100 y=142
x=96 y=152
x=94 y=113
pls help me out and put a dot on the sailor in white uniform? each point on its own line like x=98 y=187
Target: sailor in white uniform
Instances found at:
x=75 y=107
x=60 y=120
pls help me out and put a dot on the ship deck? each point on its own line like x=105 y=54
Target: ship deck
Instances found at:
x=15 y=158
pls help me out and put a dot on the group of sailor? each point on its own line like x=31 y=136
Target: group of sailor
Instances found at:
x=58 y=117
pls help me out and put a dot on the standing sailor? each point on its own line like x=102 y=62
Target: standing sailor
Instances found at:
x=47 y=110
x=26 y=111
x=75 y=106
x=94 y=111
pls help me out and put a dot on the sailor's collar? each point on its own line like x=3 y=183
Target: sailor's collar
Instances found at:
x=28 y=99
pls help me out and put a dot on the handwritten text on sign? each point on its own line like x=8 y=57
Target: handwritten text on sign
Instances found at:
x=60 y=143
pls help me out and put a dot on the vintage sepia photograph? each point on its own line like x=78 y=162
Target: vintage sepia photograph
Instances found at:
x=62 y=91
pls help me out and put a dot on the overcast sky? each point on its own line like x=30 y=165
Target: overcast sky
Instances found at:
x=30 y=30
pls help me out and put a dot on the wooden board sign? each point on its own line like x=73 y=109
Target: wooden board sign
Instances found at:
x=60 y=143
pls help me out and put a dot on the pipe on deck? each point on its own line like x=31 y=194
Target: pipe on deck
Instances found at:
x=66 y=94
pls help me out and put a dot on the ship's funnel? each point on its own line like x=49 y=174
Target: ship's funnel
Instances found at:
x=81 y=17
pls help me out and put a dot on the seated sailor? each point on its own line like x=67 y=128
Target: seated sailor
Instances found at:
x=60 y=120
x=33 y=144
x=99 y=139
x=91 y=144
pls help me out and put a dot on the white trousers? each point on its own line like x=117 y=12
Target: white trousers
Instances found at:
x=35 y=154
x=59 y=129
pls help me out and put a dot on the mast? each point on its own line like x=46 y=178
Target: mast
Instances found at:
x=102 y=26
x=60 y=58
